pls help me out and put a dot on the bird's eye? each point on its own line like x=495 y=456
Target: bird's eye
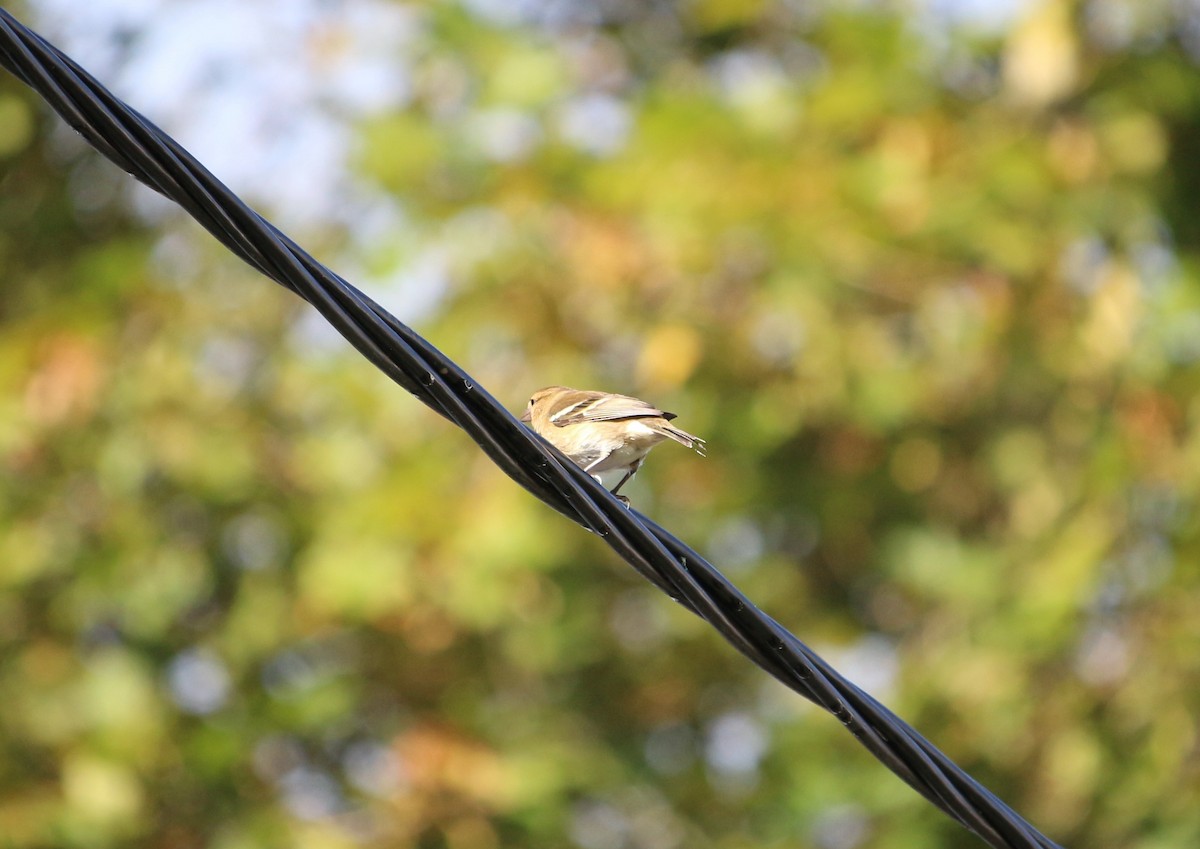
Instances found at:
x=531 y=402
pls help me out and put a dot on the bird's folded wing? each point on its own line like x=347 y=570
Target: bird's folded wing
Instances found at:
x=579 y=407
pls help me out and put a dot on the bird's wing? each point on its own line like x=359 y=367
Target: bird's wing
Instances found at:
x=578 y=407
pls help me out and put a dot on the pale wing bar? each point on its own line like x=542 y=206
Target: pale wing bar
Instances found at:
x=600 y=407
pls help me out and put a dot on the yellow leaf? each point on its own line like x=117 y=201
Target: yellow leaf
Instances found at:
x=669 y=356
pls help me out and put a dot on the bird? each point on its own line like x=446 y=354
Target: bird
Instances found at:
x=602 y=432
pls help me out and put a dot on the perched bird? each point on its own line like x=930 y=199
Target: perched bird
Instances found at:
x=602 y=432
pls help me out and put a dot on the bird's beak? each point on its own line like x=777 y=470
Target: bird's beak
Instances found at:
x=525 y=416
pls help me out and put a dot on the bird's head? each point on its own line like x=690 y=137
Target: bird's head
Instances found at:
x=539 y=398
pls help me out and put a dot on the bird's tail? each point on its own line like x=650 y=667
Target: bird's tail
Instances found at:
x=684 y=438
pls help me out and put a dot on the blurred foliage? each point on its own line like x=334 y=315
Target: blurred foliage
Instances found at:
x=930 y=291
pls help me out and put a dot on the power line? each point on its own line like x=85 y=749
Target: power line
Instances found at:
x=153 y=157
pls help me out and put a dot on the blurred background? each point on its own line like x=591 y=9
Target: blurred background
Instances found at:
x=923 y=273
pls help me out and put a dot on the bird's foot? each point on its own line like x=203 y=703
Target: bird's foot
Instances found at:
x=624 y=499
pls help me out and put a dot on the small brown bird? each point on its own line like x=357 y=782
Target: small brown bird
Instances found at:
x=602 y=432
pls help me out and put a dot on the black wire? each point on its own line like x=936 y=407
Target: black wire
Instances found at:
x=153 y=157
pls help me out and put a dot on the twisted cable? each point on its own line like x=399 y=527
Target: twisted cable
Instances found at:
x=150 y=155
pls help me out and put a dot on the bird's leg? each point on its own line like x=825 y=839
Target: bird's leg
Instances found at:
x=633 y=468
x=621 y=482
